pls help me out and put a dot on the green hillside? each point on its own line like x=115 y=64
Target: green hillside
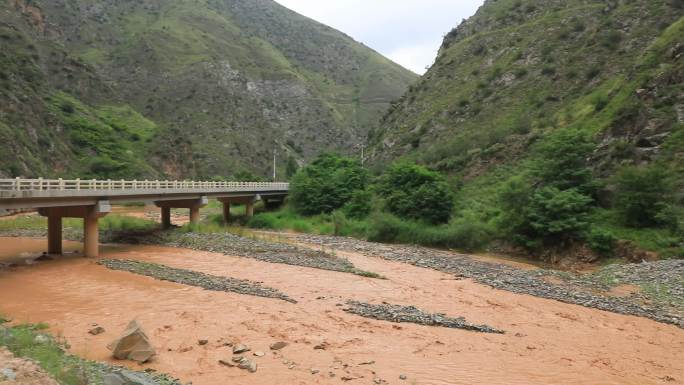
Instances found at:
x=180 y=88
x=520 y=77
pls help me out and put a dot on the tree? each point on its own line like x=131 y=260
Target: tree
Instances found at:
x=534 y=217
x=327 y=184
x=562 y=161
x=291 y=167
x=642 y=195
x=412 y=191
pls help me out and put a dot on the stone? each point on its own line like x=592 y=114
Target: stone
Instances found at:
x=402 y=377
x=96 y=330
x=248 y=365
x=259 y=354
x=240 y=348
x=41 y=339
x=315 y=371
x=8 y=374
x=133 y=344
x=237 y=359
x=127 y=377
x=321 y=346
x=202 y=342
x=226 y=363
x=278 y=345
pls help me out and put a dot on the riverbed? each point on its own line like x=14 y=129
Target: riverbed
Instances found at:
x=545 y=341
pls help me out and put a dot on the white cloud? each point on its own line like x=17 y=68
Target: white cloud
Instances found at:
x=407 y=31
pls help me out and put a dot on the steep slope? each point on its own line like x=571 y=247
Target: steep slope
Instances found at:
x=182 y=88
x=519 y=70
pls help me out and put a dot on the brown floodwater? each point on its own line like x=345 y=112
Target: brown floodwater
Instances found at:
x=546 y=342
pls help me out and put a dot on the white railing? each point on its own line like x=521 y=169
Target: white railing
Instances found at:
x=41 y=184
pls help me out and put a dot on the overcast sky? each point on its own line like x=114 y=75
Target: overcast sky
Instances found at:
x=407 y=31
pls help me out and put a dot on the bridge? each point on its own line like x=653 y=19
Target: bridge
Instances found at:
x=92 y=199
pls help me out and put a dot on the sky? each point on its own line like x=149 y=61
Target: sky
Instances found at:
x=409 y=32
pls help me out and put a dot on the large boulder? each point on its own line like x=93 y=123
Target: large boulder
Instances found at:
x=132 y=345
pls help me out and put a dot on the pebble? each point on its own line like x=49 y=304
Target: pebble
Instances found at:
x=278 y=345
x=202 y=342
x=96 y=330
x=259 y=354
x=402 y=377
x=8 y=374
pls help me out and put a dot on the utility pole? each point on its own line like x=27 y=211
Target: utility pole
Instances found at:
x=363 y=158
x=274 y=164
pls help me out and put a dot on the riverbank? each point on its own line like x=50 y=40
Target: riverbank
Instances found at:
x=388 y=336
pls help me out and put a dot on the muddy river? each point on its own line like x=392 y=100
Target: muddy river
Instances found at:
x=546 y=342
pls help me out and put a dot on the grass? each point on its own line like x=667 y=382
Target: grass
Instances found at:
x=107 y=223
x=49 y=354
x=657 y=239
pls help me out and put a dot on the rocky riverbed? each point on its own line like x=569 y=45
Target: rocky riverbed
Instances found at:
x=194 y=278
x=231 y=244
x=663 y=280
x=411 y=314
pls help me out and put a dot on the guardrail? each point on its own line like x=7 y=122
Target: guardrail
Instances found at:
x=41 y=184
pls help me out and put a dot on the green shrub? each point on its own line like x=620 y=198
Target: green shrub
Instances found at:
x=327 y=184
x=536 y=217
x=561 y=161
x=643 y=194
x=601 y=241
x=360 y=204
x=414 y=192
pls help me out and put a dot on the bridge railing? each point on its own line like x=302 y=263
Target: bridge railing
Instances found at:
x=40 y=184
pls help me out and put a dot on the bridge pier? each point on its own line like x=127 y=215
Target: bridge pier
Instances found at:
x=193 y=205
x=248 y=201
x=90 y=216
x=166 y=217
x=54 y=235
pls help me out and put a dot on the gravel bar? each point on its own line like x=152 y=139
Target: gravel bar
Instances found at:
x=573 y=288
x=261 y=250
x=194 y=278
x=411 y=314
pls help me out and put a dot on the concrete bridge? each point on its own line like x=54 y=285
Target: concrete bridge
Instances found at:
x=92 y=199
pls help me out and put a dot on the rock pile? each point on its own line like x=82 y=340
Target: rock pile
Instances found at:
x=411 y=314
x=194 y=278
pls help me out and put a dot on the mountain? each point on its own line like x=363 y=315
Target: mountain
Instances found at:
x=179 y=88
x=519 y=71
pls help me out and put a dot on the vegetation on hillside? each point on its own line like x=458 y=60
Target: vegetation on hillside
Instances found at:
x=180 y=88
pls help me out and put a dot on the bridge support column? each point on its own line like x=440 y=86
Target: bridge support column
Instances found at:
x=166 y=217
x=91 y=236
x=226 y=212
x=249 y=209
x=194 y=215
x=192 y=204
x=54 y=234
x=90 y=215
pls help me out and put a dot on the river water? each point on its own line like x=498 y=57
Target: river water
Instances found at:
x=546 y=342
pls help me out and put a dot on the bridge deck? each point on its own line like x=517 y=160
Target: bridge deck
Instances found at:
x=37 y=193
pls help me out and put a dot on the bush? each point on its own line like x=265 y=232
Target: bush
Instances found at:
x=561 y=161
x=547 y=215
x=327 y=184
x=643 y=195
x=601 y=241
x=360 y=205
x=414 y=192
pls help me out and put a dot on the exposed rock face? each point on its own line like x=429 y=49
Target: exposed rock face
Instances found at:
x=132 y=345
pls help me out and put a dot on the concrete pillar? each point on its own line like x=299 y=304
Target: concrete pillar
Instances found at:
x=226 y=212
x=54 y=234
x=166 y=217
x=91 y=236
x=249 y=209
x=194 y=215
